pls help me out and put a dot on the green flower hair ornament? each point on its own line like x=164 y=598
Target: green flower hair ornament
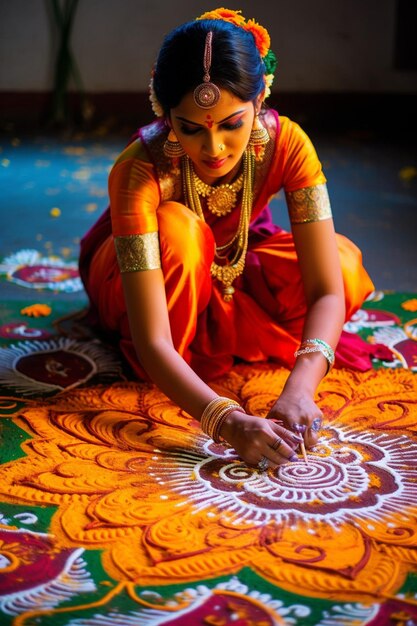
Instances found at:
x=270 y=62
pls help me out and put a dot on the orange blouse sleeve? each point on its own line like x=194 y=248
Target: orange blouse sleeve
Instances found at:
x=134 y=194
x=298 y=161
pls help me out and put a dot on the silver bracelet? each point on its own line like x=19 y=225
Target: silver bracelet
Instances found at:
x=317 y=345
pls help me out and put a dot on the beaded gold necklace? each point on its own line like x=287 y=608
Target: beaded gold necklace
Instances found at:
x=234 y=251
x=222 y=199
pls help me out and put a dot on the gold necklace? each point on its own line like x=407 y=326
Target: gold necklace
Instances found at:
x=235 y=265
x=222 y=199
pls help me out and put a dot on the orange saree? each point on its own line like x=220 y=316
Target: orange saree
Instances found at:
x=264 y=321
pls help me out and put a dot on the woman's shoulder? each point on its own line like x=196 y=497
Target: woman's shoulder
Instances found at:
x=140 y=146
x=132 y=167
x=282 y=128
x=143 y=162
x=134 y=151
x=135 y=163
x=291 y=131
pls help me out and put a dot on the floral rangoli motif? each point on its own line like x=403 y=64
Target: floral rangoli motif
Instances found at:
x=28 y=268
x=348 y=476
x=133 y=476
x=36 y=367
x=32 y=571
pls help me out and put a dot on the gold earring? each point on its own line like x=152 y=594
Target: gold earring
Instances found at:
x=172 y=147
x=259 y=137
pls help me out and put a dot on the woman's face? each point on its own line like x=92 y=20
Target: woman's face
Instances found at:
x=214 y=139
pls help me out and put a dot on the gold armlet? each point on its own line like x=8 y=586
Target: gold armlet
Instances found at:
x=136 y=253
x=310 y=204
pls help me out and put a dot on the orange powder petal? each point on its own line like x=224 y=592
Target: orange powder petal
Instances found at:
x=36 y=310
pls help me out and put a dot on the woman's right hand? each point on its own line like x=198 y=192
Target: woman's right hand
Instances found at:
x=255 y=438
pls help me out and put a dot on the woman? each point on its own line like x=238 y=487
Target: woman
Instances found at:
x=202 y=277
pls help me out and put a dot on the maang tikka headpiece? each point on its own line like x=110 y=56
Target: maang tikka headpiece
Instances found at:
x=207 y=94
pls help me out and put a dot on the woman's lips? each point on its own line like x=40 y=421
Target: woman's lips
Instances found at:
x=215 y=165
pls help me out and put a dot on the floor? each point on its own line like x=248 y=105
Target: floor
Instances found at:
x=54 y=187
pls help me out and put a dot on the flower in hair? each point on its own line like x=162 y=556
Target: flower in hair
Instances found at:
x=270 y=62
x=155 y=104
x=268 y=78
x=228 y=15
x=261 y=35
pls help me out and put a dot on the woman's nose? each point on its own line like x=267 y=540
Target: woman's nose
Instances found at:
x=213 y=146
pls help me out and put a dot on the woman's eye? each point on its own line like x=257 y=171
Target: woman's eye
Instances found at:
x=189 y=131
x=234 y=126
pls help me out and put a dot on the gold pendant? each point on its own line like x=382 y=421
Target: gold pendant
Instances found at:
x=226 y=274
x=228 y=292
x=221 y=200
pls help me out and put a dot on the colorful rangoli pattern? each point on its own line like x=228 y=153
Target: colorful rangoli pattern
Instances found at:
x=116 y=509
x=33 y=571
x=28 y=268
x=134 y=477
x=41 y=367
x=382 y=326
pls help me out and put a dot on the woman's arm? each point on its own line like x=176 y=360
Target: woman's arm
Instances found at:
x=323 y=286
x=251 y=436
x=321 y=273
x=151 y=334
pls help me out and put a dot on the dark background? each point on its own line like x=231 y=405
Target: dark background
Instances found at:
x=347 y=73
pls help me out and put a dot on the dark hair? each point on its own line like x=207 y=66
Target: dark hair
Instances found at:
x=236 y=63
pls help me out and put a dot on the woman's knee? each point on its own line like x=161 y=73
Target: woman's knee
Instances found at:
x=183 y=235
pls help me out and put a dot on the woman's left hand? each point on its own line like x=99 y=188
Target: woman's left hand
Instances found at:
x=299 y=413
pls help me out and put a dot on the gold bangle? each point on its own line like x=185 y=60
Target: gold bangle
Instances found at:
x=211 y=423
x=212 y=406
x=310 y=204
x=136 y=253
x=214 y=415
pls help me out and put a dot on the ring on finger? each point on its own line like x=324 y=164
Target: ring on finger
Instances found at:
x=298 y=428
x=316 y=424
x=277 y=443
x=263 y=464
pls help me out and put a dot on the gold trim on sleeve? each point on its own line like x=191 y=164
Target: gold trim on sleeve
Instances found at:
x=136 y=253
x=310 y=204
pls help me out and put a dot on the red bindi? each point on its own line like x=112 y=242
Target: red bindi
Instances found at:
x=209 y=121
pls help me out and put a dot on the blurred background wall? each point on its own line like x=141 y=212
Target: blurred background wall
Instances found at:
x=365 y=48
x=347 y=72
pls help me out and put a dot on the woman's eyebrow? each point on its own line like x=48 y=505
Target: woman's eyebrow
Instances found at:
x=183 y=119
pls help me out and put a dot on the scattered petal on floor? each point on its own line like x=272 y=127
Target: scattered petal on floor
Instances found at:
x=408 y=173
x=410 y=305
x=37 y=310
